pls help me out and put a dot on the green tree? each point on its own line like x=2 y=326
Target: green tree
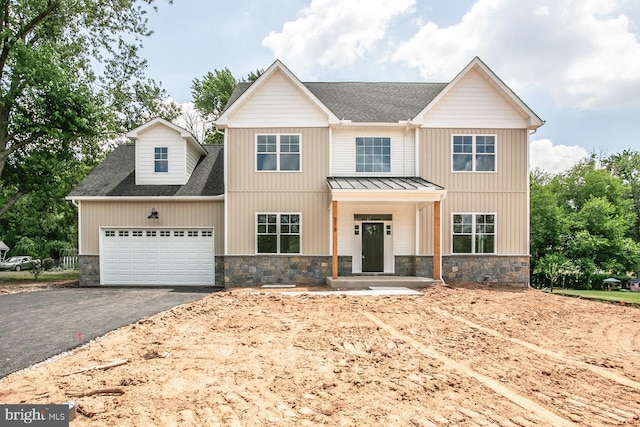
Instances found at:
x=211 y=94
x=70 y=79
x=586 y=217
x=547 y=220
x=626 y=166
x=553 y=266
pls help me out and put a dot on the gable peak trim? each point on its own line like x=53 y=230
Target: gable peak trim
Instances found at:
x=276 y=66
x=134 y=134
x=534 y=121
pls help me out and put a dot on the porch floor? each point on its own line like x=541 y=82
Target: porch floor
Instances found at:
x=368 y=282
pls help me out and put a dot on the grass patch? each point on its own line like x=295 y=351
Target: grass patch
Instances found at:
x=45 y=276
x=631 y=297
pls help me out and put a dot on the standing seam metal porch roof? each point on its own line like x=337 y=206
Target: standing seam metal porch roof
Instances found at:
x=381 y=183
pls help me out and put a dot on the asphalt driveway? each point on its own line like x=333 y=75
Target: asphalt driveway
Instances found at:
x=37 y=325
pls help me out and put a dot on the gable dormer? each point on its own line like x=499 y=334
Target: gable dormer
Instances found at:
x=165 y=154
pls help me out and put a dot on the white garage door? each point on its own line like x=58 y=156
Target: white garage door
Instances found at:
x=164 y=256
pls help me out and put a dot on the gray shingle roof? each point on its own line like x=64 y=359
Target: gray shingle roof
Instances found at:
x=368 y=102
x=115 y=176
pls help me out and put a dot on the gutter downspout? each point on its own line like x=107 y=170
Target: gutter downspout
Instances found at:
x=226 y=196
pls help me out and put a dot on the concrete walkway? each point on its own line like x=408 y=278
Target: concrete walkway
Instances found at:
x=35 y=326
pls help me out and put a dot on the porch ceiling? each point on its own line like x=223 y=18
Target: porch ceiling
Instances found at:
x=384 y=189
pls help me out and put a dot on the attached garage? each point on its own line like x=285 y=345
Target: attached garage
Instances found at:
x=157 y=256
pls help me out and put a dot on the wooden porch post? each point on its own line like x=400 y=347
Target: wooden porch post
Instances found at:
x=334 y=255
x=437 y=255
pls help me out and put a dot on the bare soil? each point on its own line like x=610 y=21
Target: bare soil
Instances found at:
x=15 y=287
x=464 y=356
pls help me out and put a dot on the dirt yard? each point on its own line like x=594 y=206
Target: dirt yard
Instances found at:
x=452 y=356
x=12 y=288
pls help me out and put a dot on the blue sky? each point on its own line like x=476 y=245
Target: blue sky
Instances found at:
x=575 y=63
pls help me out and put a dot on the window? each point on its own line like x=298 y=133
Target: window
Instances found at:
x=474 y=233
x=278 y=152
x=474 y=153
x=278 y=233
x=161 y=159
x=373 y=154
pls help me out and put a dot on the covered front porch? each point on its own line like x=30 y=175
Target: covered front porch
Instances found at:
x=375 y=223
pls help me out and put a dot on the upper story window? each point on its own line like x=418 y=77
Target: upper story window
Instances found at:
x=161 y=159
x=278 y=152
x=373 y=155
x=474 y=153
x=474 y=233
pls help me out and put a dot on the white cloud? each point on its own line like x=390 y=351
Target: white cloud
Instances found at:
x=554 y=158
x=583 y=52
x=334 y=33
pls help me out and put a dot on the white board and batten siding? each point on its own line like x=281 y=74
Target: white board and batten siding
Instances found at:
x=161 y=136
x=343 y=151
x=474 y=103
x=157 y=257
x=278 y=103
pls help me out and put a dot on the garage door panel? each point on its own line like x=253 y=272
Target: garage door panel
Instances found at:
x=157 y=257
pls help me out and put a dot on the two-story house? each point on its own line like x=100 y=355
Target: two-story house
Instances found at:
x=332 y=180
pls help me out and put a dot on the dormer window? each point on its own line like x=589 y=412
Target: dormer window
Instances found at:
x=161 y=159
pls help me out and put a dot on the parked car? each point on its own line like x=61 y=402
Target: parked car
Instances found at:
x=18 y=263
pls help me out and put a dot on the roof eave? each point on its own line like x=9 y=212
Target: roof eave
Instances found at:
x=398 y=124
x=145 y=198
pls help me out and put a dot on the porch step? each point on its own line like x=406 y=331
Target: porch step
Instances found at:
x=367 y=282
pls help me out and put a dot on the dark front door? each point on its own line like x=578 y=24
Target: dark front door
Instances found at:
x=372 y=247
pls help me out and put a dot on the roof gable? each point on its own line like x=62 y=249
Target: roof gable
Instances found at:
x=276 y=74
x=487 y=84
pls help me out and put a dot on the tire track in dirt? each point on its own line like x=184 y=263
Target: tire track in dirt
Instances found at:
x=553 y=354
x=525 y=403
x=614 y=332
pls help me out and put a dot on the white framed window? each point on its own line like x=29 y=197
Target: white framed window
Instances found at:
x=161 y=159
x=278 y=233
x=473 y=233
x=373 y=155
x=473 y=153
x=278 y=153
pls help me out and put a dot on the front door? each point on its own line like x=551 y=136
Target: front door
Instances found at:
x=372 y=247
